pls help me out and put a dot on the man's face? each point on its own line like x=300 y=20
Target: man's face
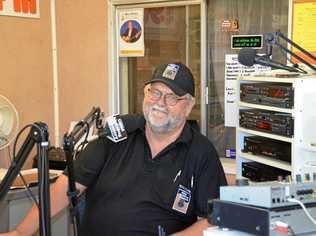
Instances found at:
x=161 y=116
x=130 y=25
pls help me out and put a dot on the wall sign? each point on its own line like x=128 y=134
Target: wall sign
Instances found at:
x=20 y=8
x=131 y=33
x=303 y=28
x=246 y=41
x=233 y=69
x=230 y=25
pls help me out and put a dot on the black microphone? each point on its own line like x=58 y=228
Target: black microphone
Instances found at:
x=249 y=57
x=117 y=127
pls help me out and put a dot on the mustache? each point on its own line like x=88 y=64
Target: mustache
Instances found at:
x=161 y=109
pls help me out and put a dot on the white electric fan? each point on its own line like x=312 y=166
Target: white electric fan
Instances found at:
x=9 y=122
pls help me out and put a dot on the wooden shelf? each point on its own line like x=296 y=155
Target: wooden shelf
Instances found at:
x=304 y=87
x=303 y=114
x=264 y=107
x=266 y=160
x=267 y=79
x=267 y=135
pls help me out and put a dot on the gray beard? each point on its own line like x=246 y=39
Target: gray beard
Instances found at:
x=169 y=126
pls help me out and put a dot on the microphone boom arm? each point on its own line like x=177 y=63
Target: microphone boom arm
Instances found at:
x=70 y=140
x=273 y=39
x=37 y=135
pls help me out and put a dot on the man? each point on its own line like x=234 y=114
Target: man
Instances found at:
x=131 y=34
x=158 y=179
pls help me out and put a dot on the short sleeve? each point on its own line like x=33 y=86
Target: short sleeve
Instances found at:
x=210 y=176
x=90 y=162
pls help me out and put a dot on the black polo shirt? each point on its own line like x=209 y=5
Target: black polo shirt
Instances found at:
x=130 y=193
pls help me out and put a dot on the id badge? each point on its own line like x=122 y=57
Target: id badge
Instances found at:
x=182 y=200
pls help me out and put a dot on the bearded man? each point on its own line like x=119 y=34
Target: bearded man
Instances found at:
x=155 y=182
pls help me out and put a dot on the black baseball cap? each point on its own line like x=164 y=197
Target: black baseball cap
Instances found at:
x=176 y=76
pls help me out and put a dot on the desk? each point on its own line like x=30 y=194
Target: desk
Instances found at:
x=229 y=166
x=216 y=231
x=16 y=204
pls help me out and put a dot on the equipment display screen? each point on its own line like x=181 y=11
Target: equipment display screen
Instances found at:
x=246 y=41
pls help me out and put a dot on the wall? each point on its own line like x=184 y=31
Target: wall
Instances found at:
x=26 y=64
x=82 y=53
x=26 y=71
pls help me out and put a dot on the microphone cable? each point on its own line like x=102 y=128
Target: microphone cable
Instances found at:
x=85 y=140
x=30 y=195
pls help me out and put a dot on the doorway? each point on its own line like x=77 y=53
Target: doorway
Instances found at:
x=172 y=33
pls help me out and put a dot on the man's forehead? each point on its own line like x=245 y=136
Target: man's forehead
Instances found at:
x=162 y=87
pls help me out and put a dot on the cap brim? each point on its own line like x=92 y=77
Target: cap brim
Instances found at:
x=170 y=84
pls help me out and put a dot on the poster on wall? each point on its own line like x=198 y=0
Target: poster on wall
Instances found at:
x=131 y=33
x=233 y=70
x=303 y=27
x=20 y=8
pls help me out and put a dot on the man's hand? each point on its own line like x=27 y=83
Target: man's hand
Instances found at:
x=59 y=200
x=12 y=233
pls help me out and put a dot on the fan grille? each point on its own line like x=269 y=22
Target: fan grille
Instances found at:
x=8 y=122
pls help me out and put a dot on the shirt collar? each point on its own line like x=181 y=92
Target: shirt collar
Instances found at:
x=185 y=136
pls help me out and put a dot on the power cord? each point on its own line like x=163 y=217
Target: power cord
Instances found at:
x=304 y=209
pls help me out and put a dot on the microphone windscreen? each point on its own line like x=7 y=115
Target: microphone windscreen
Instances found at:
x=246 y=56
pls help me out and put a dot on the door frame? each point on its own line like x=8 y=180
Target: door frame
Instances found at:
x=113 y=58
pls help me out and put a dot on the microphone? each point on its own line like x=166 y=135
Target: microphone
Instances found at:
x=269 y=39
x=117 y=127
x=248 y=57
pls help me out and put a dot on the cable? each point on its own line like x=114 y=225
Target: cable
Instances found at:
x=30 y=195
x=291 y=230
x=43 y=181
x=28 y=190
x=304 y=209
x=85 y=140
x=17 y=137
x=38 y=134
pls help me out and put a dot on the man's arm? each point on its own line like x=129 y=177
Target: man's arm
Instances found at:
x=58 y=201
x=196 y=229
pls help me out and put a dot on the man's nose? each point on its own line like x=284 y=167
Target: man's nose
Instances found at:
x=162 y=100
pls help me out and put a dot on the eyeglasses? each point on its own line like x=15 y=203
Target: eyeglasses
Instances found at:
x=169 y=98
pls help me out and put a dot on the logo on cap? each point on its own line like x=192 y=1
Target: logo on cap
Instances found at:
x=171 y=71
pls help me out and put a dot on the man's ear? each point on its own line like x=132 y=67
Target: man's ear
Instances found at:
x=146 y=87
x=190 y=106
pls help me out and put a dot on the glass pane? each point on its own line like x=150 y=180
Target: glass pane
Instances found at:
x=254 y=17
x=172 y=34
